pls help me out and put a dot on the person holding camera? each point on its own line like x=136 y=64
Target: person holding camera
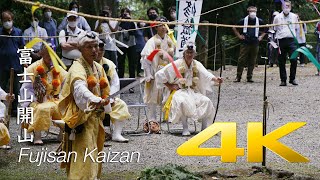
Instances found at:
x=104 y=27
x=127 y=36
x=250 y=38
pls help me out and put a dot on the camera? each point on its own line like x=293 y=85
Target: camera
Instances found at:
x=106 y=13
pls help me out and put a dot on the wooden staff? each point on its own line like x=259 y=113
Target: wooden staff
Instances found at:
x=10 y=102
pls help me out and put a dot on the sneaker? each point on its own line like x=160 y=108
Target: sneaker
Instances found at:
x=293 y=82
x=236 y=80
x=302 y=65
x=283 y=83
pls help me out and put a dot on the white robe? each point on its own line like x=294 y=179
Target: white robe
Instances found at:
x=152 y=94
x=190 y=102
x=3 y=95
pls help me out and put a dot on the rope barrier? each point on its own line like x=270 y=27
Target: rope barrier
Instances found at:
x=169 y=23
x=151 y=22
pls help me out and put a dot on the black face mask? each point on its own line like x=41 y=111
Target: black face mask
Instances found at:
x=152 y=16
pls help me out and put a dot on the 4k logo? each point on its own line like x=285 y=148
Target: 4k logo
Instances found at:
x=229 y=150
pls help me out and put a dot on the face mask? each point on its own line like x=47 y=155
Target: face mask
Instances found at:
x=152 y=16
x=72 y=24
x=48 y=14
x=34 y=23
x=286 y=10
x=173 y=15
x=8 y=24
x=252 y=15
x=75 y=9
x=142 y=24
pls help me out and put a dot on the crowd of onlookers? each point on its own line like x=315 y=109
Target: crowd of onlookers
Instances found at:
x=44 y=26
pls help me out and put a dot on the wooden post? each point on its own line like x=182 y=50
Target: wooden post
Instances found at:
x=202 y=47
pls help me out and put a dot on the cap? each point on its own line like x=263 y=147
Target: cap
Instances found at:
x=190 y=45
x=72 y=13
x=85 y=37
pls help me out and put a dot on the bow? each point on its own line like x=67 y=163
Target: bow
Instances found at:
x=219 y=92
x=219 y=89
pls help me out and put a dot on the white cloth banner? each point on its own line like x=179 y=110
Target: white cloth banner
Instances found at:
x=187 y=11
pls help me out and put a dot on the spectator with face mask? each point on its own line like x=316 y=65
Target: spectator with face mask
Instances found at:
x=68 y=39
x=9 y=58
x=50 y=25
x=249 y=38
x=104 y=27
x=152 y=13
x=128 y=38
x=272 y=49
x=285 y=35
x=173 y=16
x=81 y=21
x=35 y=31
x=301 y=37
x=140 y=43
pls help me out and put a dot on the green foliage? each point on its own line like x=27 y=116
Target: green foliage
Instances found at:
x=168 y=172
x=139 y=8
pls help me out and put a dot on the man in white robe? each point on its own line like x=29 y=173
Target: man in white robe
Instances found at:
x=187 y=98
x=153 y=95
x=120 y=112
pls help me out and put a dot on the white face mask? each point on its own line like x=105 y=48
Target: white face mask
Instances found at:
x=8 y=24
x=173 y=15
x=252 y=15
x=34 y=23
x=48 y=14
x=286 y=10
x=142 y=24
x=75 y=9
x=72 y=24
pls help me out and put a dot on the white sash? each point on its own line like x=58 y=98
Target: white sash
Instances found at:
x=245 y=29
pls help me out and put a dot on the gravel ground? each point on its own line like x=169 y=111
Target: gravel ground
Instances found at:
x=240 y=102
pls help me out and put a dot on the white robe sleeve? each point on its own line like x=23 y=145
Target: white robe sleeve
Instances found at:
x=82 y=95
x=115 y=83
x=204 y=78
x=3 y=94
x=163 y=76
x=146 y=51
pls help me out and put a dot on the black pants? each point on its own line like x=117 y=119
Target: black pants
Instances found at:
x=131 y=53
x=302 y=56
x=287 y=47
x=138 y=56
x=4 y=83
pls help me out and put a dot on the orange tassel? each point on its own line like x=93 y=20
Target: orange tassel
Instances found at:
x=55 y=73
x=103 y=82
x=55 y=83
x=44 y=81
x=40 y=70
x=92 y=82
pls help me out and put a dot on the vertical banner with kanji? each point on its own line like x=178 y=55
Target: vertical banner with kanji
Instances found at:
x=189 y=12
